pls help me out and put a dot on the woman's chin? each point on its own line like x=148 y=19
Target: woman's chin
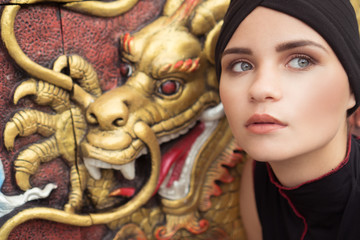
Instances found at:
x=267 y=156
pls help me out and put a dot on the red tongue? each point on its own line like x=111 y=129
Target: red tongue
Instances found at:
x=126 y=192
x=175 y=155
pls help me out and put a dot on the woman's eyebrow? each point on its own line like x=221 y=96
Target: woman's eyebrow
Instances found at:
x=295 y=44
x=236 y=50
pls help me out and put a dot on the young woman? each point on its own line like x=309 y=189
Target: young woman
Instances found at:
x=289 y=77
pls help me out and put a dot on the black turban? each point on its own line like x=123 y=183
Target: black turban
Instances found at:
x=334 y=20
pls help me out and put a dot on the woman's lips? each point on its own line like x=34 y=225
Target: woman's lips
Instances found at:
x=263 y=124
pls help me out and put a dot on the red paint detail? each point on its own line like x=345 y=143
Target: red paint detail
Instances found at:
x=125 y=192
x=226 y=177
x=166 y=68
x=196 y=228
x=187 y=64
x=216 y=190
x=178 y=64
x=235 y=158
x=178 y=151
x=160 y=232
x=201 y=228
x=125 y=41
x=195 y=65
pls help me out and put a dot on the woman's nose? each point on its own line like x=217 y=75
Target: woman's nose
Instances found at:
x=266 y=86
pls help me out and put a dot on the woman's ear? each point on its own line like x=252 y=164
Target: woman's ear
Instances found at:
x=352 y=101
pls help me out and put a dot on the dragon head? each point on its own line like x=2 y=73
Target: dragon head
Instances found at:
x=171 y=86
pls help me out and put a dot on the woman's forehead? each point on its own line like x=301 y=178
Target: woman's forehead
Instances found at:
x=264 y=25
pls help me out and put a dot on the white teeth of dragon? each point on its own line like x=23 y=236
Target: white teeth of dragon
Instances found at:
x=93 y=170
x=170 y=137
x=93 y=166
x=127 y=170
x=142 y=152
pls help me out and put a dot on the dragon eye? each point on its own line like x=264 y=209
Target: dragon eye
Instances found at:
x=125 y=69
x=169 y=87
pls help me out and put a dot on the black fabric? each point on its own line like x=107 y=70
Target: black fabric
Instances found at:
x=325 y=208
x=334 y=20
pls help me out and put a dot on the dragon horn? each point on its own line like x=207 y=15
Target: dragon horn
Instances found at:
x=182 y=14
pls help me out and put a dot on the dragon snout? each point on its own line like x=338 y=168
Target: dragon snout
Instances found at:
x=108 y=113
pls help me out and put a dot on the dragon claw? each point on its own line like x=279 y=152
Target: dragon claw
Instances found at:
x=29 y=160
x=45 y=94
x=10 y=133
x=24 y=89
x=58 y=128
x=23 y=180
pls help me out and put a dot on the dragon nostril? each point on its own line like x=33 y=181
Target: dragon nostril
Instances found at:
x=119 y=122
x=92 y=119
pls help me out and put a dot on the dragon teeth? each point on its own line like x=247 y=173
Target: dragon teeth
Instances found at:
x=170 y=137
x=127 y=170
x=142 y=152
x=94 y=166
x=93 y=170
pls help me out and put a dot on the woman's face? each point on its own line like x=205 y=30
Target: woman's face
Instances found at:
x=284 y=91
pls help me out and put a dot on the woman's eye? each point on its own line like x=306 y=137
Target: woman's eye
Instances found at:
x=241 y=67
x=299 y=62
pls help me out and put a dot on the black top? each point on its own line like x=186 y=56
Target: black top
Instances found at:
x=324 y=208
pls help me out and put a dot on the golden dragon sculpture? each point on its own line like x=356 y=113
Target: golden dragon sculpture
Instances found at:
x=153 y=158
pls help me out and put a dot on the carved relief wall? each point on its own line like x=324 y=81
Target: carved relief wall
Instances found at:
x=111 y=126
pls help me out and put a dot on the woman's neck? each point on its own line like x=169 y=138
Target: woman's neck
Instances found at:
x=300 y=169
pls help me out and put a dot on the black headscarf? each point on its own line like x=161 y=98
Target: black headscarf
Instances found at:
x=334 y=20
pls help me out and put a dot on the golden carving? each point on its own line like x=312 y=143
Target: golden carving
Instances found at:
x=102 y=9
x=35 y=70
x=356 y=4
x=98 y=8
x=171 y=90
